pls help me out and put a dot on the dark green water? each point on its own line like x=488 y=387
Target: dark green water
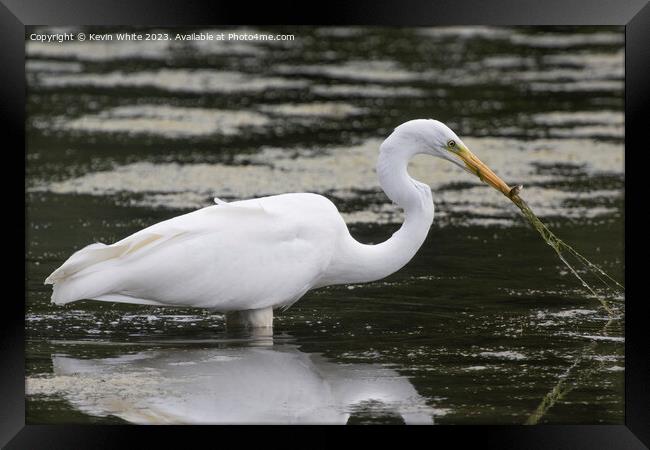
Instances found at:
x=481 y=327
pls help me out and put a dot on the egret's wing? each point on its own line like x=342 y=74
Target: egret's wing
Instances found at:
x=233 y=256
x=145 y=239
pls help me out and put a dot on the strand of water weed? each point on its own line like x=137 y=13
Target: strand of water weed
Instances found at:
x=612 y=288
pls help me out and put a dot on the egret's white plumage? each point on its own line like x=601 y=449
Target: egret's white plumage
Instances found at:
x=256 y=255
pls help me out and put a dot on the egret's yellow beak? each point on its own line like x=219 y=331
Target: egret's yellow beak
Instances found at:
x=477 y=167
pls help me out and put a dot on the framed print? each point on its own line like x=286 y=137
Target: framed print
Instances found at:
x=358 y=214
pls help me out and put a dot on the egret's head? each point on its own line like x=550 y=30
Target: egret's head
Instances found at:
x=435 y=138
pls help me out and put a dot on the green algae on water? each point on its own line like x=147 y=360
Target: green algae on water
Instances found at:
x=609 y=288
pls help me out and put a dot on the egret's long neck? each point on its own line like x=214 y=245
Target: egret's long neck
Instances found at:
x=357 y=262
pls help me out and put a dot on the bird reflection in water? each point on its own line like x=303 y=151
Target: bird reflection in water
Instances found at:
x=254 y=384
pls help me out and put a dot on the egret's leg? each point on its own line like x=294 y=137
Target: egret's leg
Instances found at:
x=250 y=318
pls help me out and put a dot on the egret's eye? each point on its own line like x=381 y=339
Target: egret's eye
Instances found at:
x=451 y=143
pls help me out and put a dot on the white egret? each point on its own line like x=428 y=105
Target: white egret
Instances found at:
x=249 y=257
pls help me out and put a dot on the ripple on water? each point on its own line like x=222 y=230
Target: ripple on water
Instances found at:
x=200 y=81
x=566 y=40
x=45 y=65
x=315 y=109
x=168 y=121
x=506 y=354
x=175 y=122
x=364 y=90
x=370 y=70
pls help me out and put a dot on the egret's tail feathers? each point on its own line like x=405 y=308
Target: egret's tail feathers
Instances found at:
x=69 y=290
x=77 y=279
x=82 y=259
x=97 y=253
x=59 y=298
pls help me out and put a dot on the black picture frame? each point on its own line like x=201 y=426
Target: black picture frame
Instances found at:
x=16 y=14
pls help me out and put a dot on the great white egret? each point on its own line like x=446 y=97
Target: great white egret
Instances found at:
x=249 y=257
